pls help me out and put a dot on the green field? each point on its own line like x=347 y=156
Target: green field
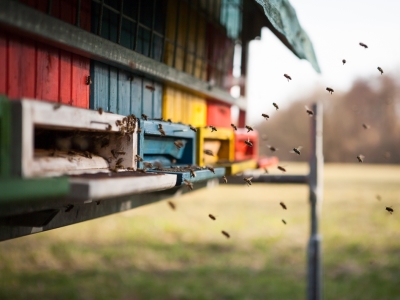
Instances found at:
x=154 y=252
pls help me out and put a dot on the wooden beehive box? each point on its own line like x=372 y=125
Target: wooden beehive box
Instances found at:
x=242 y=150
x=220 y=142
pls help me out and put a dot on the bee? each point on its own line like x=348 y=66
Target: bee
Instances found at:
x=144 y=170
x=272 y=148
x=366 y=126
x=72 y=152
x=309 y=111
x=139 y=130
x=378 y=197
x=248 y=180
x=275 y=105
x=225 y=234
x=212 y=217
x=297 y=150
x=188 y=184
x=109 y=127
x=115 y=169
x=211 y=169
x=119 y=161
x=234 y=126
x=380 y=70
x=130 y=169
x=265 y=116
x=283 y=205
x=330 y=90
x=172 y=205
x=284 y=222
x=213 y=128
x=145 y=117
x=287 y=77
x=69 y=208
x=87 y=154
x=281 y=168
x=389 y=209
x=192 y=128
x=147 y=165
x=100 y=110
x=360 y=158
x=192 y=173
x=363 y=45
x=89 y=80
x=118 y=123
x=343 y=61
x=208 y=152
x=151 y=88
x=56 y=106
x=169 y=121
x=249 y=128
x=161 y=130
x=119 y=166
x=98 y=202
x=248 y=143
x=114 y=153
x=138 y=158
x=224 y=179
x=178 y=144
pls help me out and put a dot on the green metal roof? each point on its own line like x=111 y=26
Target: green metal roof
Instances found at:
x=286 y=27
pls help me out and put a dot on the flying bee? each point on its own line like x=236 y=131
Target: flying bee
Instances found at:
x=225 y=234
x=281 y=168
x=211 y=169
x=249 y=128
x=208 y=152
x=234 y=126
x=380 y=70
x=89 y=80
x=147 y=165
x=161 y=130
x=119 y=161
x=287 y=77
x=296 y=150
x=188 y=184
x=248 y=180
x=275 y=105
x=192 y=173
x=265 y=116
x=87 y=154
x=193 y=128
x=343 y=61
x=363 y=45
x=145 y=117
x=151 y=88
x=283 y=205
x=224 y=179
x=330 y=90
x=118 y=123
x=309 y=111
x=389 y=209
x=213 y=128
x=172 y=205
x=212 y=217
x=138 y=158
x=178 y=144
x=272 y=148
x=366 y=126
x=248 y=143
x=100 y=110
x=284 y=222
x=360 y=158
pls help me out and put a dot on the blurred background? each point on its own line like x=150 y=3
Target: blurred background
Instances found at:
x=154 y=252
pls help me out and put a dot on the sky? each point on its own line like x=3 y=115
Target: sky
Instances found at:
x=336 y=28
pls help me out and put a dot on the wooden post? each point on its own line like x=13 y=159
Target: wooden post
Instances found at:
x=314 y=272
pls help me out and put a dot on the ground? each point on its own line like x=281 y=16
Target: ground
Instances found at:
x=154 y=252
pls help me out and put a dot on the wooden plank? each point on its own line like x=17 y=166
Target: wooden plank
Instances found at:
x=147 y=100
x=239 y=167
x=100 y=87
x=85 y=20
x=79 y=87
x=47 y=73
x=124 y=93
x=113 y=89
x=136 y=95
x=21 y=68
x=4 y=63
x=65 y=77
x=157 y=101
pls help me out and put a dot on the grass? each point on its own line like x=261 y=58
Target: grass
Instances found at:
x=155 y=253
